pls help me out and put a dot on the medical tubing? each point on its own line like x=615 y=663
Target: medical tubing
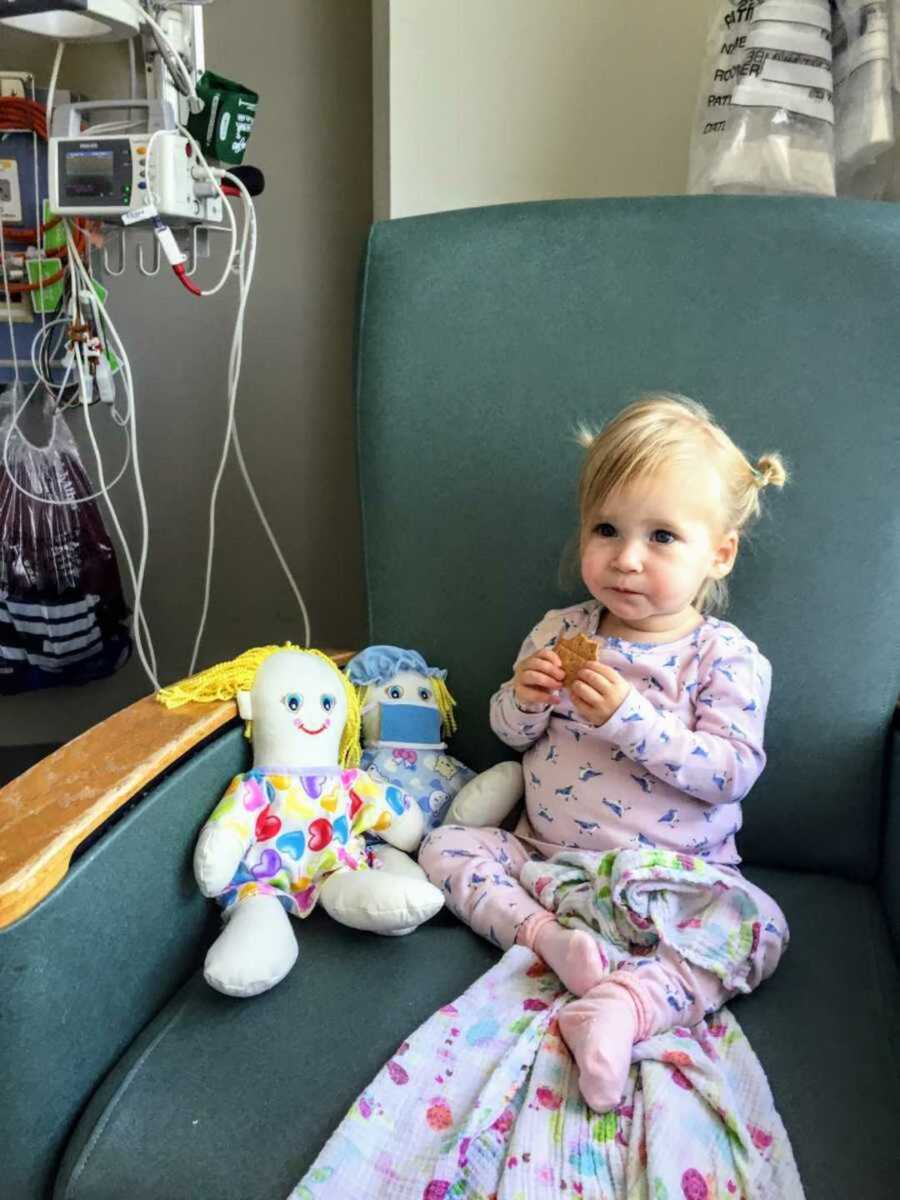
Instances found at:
x=12 y=337
x=234 y=366
x=249 y=232
x=141 y=629
x=51 y=90
x=38 y=208
x=174 y=254
x=182 y=276
x=162 y=40
x=260 y=512
x=137 y=578
x=250 y=228
x=213 y=177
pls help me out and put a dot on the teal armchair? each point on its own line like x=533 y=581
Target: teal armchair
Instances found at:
x=483 y=337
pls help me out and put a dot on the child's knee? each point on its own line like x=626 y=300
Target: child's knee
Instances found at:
x=772 y=941
x=433 y=845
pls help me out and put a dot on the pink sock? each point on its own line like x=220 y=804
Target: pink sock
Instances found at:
x=574 y=955
x=600 y=1030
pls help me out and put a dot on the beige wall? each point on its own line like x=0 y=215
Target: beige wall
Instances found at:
x=491 y=101
x=311 y=62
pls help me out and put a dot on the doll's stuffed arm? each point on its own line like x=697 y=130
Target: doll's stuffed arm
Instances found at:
x=216 y=857
x=406 y=829
x=223 y=842
x=488 y=798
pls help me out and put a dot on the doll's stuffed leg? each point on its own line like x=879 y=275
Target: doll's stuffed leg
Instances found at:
x=389 y=858
x=386 y=901
x=254 y=951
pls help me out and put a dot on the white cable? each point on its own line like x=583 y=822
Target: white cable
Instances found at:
x=145 y=17
x=248 y=202
x=132 y=68
x=141 y=629
x=140 y=626
x=198 y=154
x=8 y=294
x=234 y=367
x=247 y=262
x=110 y=127
x=307 y=631
x=51 y=91
x=38 y=213
x=228 y=209
x=41 y=336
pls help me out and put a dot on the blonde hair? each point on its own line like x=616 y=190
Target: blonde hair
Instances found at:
x=445 y=703
x=660 y=428
x=224 y=680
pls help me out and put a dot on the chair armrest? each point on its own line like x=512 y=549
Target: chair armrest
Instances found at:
x=48 y=812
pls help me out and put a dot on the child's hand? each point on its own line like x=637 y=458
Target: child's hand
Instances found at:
x=598 y=692
x=538 y=679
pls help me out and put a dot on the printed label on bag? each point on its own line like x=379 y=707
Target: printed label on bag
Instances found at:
x=801 y=12
x=807 y=102
x=776 y=70
x=801 y=39
x=741 y=14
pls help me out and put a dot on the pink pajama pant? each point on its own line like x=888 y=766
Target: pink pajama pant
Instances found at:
x=478 y=871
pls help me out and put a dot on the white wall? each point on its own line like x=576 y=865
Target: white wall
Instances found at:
x=488 y=101
x=311 y=62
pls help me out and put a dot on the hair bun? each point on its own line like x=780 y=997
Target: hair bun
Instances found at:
x=770 y=471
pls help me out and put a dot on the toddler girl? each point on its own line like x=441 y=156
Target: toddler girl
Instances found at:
x=655 y=745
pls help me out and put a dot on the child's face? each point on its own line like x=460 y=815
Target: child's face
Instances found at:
x=649 y=547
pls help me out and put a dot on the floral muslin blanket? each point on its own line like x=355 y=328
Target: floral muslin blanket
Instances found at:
x=482 y=1101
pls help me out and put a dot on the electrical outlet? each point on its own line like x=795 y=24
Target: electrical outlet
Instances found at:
x=19 y=308
x=10 y=195
x=15 y=83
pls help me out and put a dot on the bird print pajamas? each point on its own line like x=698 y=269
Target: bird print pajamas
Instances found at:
x=667 y=771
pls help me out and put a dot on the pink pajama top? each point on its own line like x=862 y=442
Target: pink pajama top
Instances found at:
x=669 y=768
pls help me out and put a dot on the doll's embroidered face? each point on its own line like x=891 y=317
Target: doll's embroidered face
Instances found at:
x=298 y=710
x=301 y=711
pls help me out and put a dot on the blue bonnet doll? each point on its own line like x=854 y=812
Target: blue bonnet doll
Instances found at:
x=407 y=712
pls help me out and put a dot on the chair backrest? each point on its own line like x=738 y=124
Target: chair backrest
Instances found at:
x=485 y=335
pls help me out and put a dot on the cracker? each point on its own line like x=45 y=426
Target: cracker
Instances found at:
x=573 y=653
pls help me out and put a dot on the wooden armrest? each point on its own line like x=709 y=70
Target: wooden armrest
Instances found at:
x=48 y=812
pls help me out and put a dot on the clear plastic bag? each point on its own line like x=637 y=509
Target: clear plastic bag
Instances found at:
x=774 y=130
x=863 y=97
x=63 y=618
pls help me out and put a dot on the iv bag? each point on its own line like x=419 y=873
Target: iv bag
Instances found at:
x=63 y=618
x=765 y=119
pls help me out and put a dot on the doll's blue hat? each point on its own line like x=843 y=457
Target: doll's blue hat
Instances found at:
x=377 y=664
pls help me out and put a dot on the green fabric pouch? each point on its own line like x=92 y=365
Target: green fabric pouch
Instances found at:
x=224 y=126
